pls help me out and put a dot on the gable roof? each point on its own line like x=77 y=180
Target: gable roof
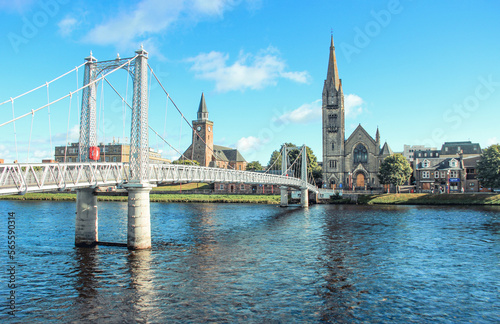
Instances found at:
x=440 y=164
x=362 y=130
x=228 y=154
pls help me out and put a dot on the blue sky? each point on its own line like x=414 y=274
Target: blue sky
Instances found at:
x=424 y=72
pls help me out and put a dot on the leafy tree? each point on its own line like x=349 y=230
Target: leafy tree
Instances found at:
x=186 y=162
x=254 y=166
x=488 y=167
x=395 y=170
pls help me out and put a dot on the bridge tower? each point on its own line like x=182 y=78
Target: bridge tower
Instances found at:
x=304 y=192
x=139 y=215
x=86 y=222
x=138 y=187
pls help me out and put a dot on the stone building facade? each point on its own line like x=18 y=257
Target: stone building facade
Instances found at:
x=355 y=162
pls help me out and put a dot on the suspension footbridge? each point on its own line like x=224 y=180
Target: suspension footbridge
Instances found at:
x=139 y=175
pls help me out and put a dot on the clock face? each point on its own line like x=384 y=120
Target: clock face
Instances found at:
x=198 y=128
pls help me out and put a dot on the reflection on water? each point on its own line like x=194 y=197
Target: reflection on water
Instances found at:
x=254 y=263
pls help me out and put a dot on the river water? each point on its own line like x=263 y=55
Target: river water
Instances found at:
x=256 y=263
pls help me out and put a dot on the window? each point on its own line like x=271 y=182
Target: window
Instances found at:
x=333 y=164
x=454 y=174
x=360 y=154
x=107 y=158
x=69 y=159
x=436 y=174
x=443 y=174
x=425 y=174
x=453 y=163
x=242 y=187
x=114 y=158
x=221 y=187
x=425 y=163
x=333 y=146
x=446 y=149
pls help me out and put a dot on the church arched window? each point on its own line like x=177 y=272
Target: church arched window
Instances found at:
x=360 y=154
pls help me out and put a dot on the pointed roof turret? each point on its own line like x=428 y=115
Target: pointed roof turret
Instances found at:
x=333 y=73
x=202 y=110
x=377 y=136
x=386 y=150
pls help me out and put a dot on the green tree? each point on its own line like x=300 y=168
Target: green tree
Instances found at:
x=254 y=166
x=186 y=162
x=395 y=170
x=488 y=167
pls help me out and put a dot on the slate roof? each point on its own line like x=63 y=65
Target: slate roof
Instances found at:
x=439 y=164
x=386 y=150
x=467 y=147
x=228 y=154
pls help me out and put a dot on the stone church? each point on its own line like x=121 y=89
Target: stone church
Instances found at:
x=351 y=163
x=202 y=148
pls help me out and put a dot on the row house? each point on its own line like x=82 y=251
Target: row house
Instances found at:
x=439 y=175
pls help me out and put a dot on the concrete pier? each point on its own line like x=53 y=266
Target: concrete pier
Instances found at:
x=284 y=197
x=304 y=197
x=139 y=218
x=86 y=225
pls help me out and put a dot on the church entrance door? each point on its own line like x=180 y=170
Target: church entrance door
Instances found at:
x=360 y=180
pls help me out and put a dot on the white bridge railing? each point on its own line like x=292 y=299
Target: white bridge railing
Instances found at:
x=35 y=177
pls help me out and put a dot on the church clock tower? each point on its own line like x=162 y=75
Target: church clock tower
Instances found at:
x=203 y=133
x=333 y=125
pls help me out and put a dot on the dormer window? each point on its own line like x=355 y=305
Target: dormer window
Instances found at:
x=453 y=163
x=425 y=163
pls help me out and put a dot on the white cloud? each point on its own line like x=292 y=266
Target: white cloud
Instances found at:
x=67 y=25
x=249 y=143
x=248 y=72
x=306 y=113
x=133 y=26
x=492 y=141
x=353 y=105
x=73 y=135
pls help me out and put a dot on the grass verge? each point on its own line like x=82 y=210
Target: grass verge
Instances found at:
x=430 y=199
x=257 y=199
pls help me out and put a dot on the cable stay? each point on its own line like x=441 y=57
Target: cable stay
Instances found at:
x=71 y=92
x=182 y=115
x=151 y=128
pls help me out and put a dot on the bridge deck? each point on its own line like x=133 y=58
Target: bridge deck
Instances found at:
x=37 y=177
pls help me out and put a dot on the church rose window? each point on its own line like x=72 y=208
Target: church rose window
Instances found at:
x=360 y=154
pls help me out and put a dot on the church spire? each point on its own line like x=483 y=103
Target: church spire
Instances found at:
x=333 y=73
x=377 y=136
x=202 y=110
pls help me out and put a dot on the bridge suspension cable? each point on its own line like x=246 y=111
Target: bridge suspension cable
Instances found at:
x=70 y=93
x=182 y=115
x=43 y=85
x=151 y=128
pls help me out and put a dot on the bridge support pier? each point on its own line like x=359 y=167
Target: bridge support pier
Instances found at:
x=304 y=197
x=139 y=218
x=284 y=197
x=86 y=226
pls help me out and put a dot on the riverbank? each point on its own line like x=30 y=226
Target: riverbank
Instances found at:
x=430 y=199
x=186 y=198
